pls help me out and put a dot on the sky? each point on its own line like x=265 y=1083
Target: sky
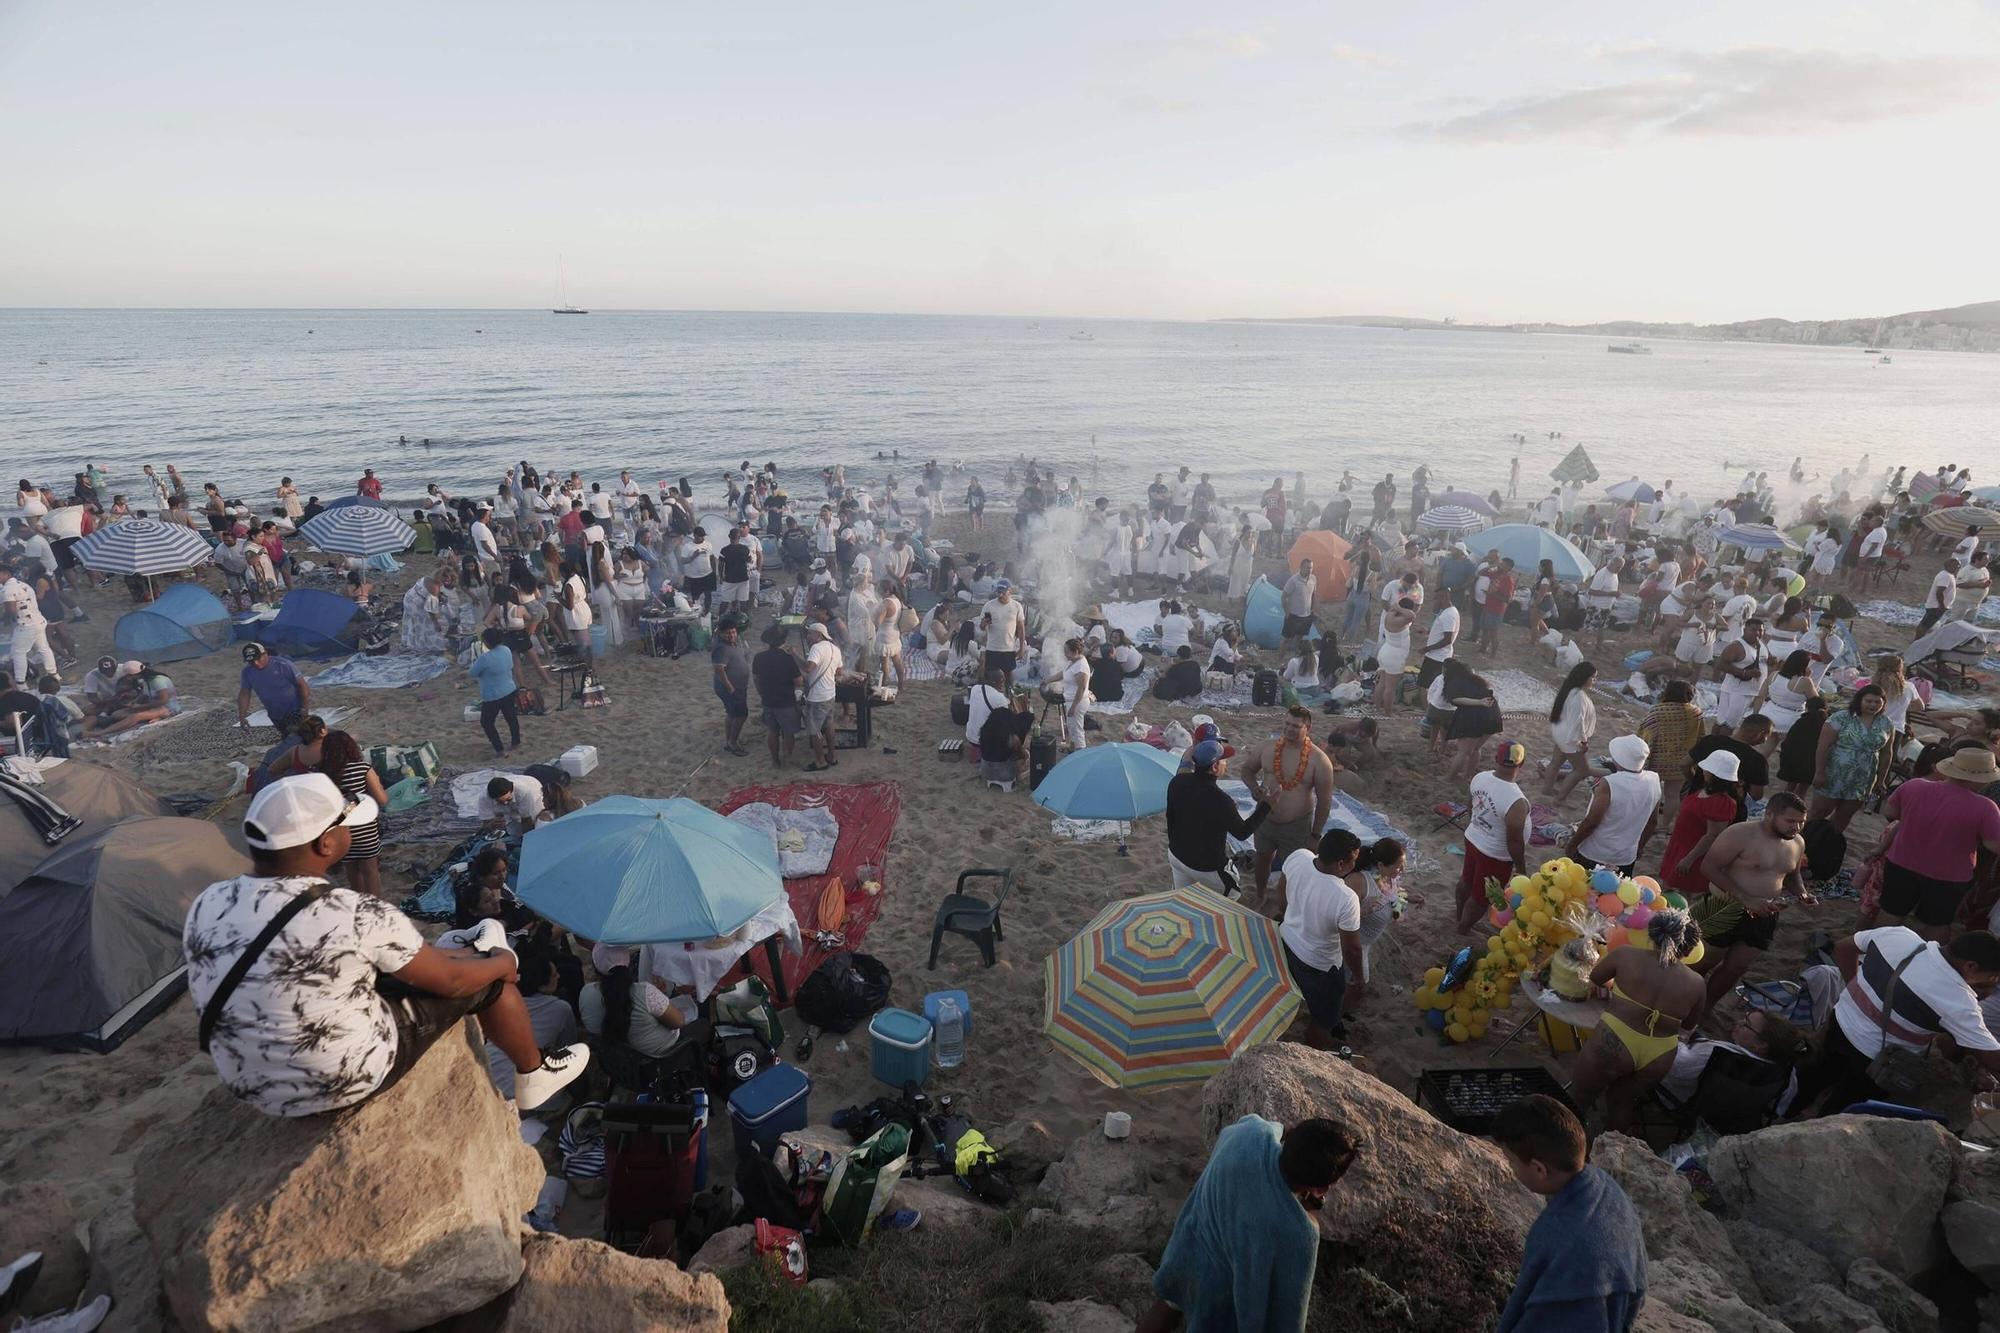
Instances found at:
x=1541 y=160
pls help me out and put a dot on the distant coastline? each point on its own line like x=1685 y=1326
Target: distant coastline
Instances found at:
x=1966 y=328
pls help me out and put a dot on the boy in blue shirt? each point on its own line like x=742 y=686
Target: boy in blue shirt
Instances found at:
x=1583 y=1269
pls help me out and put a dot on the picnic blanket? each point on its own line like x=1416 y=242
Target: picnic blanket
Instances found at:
x=468 y=789
x=1546 y=826
x=333 y=717
x=866 y=813
x=1345 y=812
x=804 y=838
x=1090 y=830
x=1891 y=613
x=1134 y=694
x=189 y=708
x=392 y=671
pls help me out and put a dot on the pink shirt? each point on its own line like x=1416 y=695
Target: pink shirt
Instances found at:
x=1940 y=828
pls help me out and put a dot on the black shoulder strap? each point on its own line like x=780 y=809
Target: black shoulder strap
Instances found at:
x=251 y=953
x=1896 y=980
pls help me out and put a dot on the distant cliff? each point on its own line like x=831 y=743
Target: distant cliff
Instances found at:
x=1965 y=328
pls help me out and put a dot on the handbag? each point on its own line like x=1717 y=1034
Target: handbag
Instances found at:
x=1896 y=1071
x=590 y=692
x=908 y=620
x=251 y=952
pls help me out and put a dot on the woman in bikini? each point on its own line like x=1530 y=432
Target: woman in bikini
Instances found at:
x=1652 y=997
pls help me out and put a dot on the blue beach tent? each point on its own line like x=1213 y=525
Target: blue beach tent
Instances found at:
x=310 y=623
x=187 y=620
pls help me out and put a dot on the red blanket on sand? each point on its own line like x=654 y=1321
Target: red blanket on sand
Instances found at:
x=867 y=814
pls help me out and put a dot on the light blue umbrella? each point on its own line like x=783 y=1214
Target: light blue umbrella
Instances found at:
x=1633 y=490
x=1989 y=494
x=1124 y=781
x=1754 y=537
x=629 y=871
x=359 y=529
x=1527 y=546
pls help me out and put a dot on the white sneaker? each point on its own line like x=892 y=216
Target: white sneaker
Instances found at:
x=559 y=1068
x=83 y=1319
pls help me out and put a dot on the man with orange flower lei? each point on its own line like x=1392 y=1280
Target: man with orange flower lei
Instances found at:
x=1296 y=778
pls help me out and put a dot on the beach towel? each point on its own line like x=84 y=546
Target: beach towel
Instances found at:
x=1584 y=1264
x=390 y=672
x=468 y=789
x=1090 y=830
x=1891 y=613
x=804 y=838
x=333 y=717
x=189 y=708
x=866 y=813
x=1135 y=688
x=1243 y=1250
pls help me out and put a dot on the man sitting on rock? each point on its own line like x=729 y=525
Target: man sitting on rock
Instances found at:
x=314 y=998
x=1583 y=1268
x=1245 y=1243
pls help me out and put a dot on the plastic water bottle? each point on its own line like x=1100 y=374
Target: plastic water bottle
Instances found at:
x=950 y=1035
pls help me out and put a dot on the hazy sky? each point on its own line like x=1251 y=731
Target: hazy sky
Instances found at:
x=1570 y=161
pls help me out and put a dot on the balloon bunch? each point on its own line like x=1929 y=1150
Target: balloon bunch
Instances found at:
x=1535 y=915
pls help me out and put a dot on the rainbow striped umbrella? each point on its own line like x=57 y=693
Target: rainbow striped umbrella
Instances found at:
x=1163 y=988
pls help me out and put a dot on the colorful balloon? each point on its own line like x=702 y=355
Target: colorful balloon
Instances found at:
x=1435 y=1020
x=1637 y=918
x=1695 y=954
x=1604 y=881
x=1677 y=901
x=1608 y=904
x=1628 y=893
x=1616 y=937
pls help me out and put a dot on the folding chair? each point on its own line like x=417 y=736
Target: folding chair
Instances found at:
x=1736 y=1094
x=978 y=920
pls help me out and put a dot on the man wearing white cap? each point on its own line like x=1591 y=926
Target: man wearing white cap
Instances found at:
x=1624 y=810
x=313 y=998
x=822 y=674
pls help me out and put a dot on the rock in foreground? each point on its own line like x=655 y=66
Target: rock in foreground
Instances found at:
x=585 y=1286
x=398 y=1213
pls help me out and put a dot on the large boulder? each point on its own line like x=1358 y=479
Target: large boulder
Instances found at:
x=1108 y=1183
x=1819 y=1308
x=729 y=1248
x=1972 y=1232
x=1434 y=1214
x=1785 y=1267
x=1900 y=1309
x=1691 y=1288
x=393 y=1214
x=1673 y=1222
x=122 y=1267
x=1850 y=1186
x=35 y=1215
x=1126 y=1281
x=584 y=1286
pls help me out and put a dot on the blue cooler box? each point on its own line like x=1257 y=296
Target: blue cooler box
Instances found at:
x=900 y=1047
x=768 y=1107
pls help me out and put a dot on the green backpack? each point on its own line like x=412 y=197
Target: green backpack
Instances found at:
x=862 y=1184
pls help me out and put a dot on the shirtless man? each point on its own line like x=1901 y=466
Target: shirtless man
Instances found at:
x=1757 y=865
x=1296 y=778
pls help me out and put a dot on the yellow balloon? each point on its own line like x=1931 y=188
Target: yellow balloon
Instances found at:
x=1540 y=919
x=1458 y=1032
x=1433 y=976
x=1495 y=945
x=1695 y=954
x=1421 y=996
x=1638 y=939
x=1519 y=884
x=1628 y=893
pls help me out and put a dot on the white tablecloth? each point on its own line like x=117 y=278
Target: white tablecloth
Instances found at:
x=701 y=966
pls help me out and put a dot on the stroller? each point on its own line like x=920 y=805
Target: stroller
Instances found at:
x=1949 y=652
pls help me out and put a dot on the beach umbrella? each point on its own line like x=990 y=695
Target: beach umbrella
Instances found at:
x=1478 y=504
x=1451 y=518
x=1163 y=988
x=1576 y=466
x=1632 y=490
x=141 y=546
x=1328 y=552
x=1954 y=522
x=1527 y=546
x=64 y=522
x=348 y=502
x=360 y=530
x=1986 y=494
x=1924 y=485
x=1754 y=537
x=625 y=870
x=1127 y=780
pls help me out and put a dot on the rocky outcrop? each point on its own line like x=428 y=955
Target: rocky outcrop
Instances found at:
x=731 y=1247
x=1785 y=1267
x=1972 y=1233
x=1674 y=1223
x=122 y=1267
x=1108 y=1183
x=1431 y=1213
x=1896 y=1306
x=1126 y=1281
x=36 y=1215
x=395 y=1214
x=1080 y=1317
x=1851 y=1187
x=584 y=1286
x=1819 y=1308
x=1691 y=1288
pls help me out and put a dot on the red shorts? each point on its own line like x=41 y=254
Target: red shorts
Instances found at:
x=1478 y=868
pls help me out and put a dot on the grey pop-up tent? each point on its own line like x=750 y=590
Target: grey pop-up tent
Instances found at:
x=98 y=795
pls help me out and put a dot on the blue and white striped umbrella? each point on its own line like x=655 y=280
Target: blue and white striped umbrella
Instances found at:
x=141 y=546
x=1632 y=490
x=1452 y=518
x=361 y=530
x=1754 y=537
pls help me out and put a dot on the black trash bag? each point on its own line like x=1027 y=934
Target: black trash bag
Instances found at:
x=842 y=991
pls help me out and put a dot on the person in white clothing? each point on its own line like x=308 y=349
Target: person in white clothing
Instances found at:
x=1175 y=627
x=1740 y=667
x=1966 y=546
x=1601 y=597
x=29 y=637
x=822 y=674
x=1321 y=931
x=1623 y=813
x=1076 y=693
x=1943 y=591
x=1572 y=722
x=980 y=701
x=1496 y=832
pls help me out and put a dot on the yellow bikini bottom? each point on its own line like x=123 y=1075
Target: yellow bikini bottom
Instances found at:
x=1643 y=1049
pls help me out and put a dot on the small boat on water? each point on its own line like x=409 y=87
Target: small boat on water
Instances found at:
x=1871 y=351
x=1083 y=337
x=1884 y=361
x=1630 y=349
x=568 y=310
x=562 y=292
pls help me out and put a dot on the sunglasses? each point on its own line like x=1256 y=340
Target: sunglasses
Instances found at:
x=341 y=818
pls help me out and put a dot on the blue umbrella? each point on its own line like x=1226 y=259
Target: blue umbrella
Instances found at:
x=1754 y=537
x=1633 y=490
x=362 y=530
x=629 y=871
x=346 y=500
x=1527 y=546
x=1990 y=494
x=1123 y=781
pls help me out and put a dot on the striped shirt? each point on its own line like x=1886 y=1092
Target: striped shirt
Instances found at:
x=1931 y=997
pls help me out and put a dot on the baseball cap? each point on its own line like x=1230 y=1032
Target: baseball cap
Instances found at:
x=1205 y=753
x=815 y=628
x=293 y=811
x=1003 y=585
x=1723 y=764
x=253 y=650
x=1510 y=754
x=1629 y=752
x=107 y=664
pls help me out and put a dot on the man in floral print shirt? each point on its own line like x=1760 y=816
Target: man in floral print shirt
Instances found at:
x=346 y=997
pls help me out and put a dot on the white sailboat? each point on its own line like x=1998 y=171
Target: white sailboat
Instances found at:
x=562 y=292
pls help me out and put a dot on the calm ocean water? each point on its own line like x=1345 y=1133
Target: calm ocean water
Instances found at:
x=240 y=397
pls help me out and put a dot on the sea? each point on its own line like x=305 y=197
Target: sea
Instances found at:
x=243 y=397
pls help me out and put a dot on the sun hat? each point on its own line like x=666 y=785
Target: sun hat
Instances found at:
x=1510 y=754
x=1723 y=764
x=293 y=811
x=1629 y=752
x=1975 y=763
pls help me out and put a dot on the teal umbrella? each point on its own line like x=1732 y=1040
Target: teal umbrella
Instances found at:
x=1576 y=466
x=1527 y=546
x=1124 y=781
x=625 y=870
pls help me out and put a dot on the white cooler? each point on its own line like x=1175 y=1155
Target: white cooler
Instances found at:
x=578 y=760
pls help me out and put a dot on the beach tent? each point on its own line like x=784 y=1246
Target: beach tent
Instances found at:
x=1264 y=614
x=1576 y=466
x=1527 y=546
x=1328 y=552
x=90 y=943
x=310 y=623
x=186 y=620
x=97 y=794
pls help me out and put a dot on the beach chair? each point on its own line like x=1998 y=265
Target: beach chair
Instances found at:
x=978 y=920
x=1735 y=1095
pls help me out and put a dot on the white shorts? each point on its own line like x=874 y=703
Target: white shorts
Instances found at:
x=1732 y=706
x=733 y=592
x=1184 y=878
